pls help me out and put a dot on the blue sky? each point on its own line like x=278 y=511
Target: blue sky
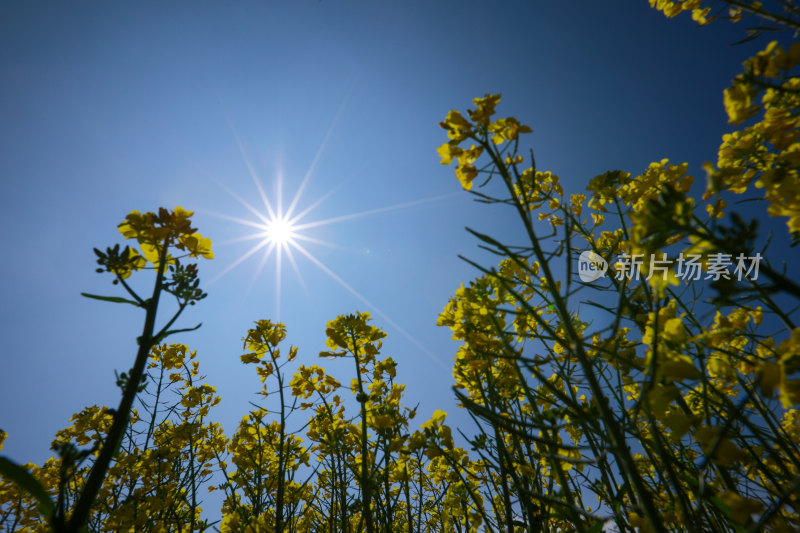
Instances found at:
x=110 y=107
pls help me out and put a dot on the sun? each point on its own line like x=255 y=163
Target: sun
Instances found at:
x=280 y=231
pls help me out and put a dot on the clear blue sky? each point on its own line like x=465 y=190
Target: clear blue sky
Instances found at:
x=106 y=107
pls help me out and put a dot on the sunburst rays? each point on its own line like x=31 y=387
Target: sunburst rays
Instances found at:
x=279 y=234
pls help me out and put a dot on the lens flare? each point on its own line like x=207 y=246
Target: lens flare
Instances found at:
x=282 y=232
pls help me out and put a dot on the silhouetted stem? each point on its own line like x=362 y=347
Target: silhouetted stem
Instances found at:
x=121 y=418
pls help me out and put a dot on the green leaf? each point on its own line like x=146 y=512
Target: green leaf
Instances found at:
x=114 y=299
x=597 y=527
x=30 y=484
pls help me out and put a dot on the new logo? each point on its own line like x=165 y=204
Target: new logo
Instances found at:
x=591 y=266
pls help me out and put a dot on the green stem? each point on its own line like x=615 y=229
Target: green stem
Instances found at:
x=88 y=495
x=282 y=451
x=616 y=438
x=366 y=482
